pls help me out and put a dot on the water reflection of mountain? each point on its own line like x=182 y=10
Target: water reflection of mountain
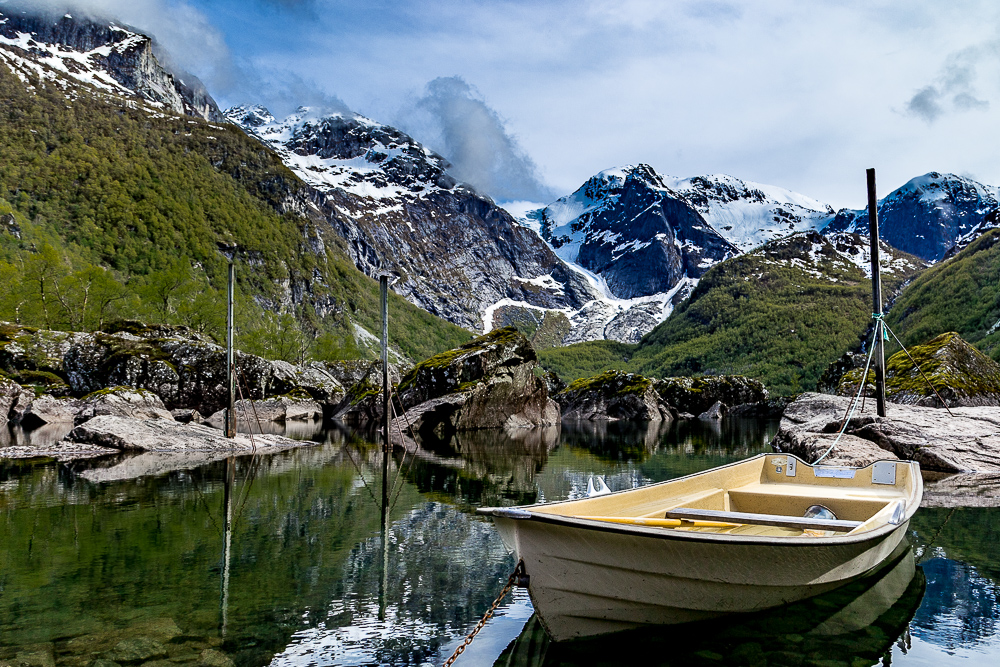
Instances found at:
x=443 y=568
x=854 y=625
x=638 y=441
x=960 y=607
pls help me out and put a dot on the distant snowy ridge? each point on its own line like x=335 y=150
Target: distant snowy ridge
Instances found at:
x=749 y=214
x=104 y=55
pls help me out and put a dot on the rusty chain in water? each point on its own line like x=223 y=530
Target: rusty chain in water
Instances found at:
x=515 y=577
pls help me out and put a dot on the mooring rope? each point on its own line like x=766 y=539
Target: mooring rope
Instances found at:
x=863 y=381
x=880 y=328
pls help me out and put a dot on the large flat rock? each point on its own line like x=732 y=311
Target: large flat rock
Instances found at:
x=967 y=440
x=160 y=435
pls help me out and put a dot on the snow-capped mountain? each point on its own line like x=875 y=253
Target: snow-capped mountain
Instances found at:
x=926 y=216
x=625 y=226
x=749 y=214
x=106 y=55
x=457 y=254
x=644 y=239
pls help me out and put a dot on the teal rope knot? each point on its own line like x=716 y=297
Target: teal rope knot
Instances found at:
x=880 y=319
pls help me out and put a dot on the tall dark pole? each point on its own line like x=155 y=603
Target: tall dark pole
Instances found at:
x=383 y=282
x=230 y=358
x=879 y=354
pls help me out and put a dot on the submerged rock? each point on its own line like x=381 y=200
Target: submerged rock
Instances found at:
x=613 y=395
x=961 y=374
x=136 y=650
x=493 y=379
x=967 y=441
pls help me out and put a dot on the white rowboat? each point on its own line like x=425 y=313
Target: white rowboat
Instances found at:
x=728 y=540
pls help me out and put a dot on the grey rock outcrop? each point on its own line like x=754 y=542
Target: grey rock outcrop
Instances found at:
x=10 y=395
x=48 y=409
x=968 y=441
x=696 y=395
x=123 y=402
x=714 y=413
x=278 y=409
x=185 y=369
x=612 y=396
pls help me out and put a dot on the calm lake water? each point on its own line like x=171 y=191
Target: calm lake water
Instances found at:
x=133 y=571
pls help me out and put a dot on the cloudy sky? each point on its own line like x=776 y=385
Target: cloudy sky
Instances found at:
x=530 y=98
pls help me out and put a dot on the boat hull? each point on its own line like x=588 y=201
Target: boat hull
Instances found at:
x=587 y=581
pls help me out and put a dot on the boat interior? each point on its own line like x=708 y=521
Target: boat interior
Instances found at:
x=771 y=494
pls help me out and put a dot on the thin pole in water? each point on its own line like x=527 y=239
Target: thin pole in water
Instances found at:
x=879 y=359
x=230 y=360
x=227 y=538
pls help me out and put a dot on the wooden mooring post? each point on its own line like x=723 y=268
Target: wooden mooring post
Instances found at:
x=879 y=354
x=383 y=282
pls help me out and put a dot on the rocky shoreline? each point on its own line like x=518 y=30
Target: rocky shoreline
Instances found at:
x=964 y=440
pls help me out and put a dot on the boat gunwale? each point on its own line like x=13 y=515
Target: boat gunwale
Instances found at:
x=794 y=541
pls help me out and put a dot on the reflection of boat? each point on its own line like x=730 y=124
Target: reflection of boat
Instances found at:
x=856 y=623
x=730 y=539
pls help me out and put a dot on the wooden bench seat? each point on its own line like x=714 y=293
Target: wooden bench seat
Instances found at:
x=690 y=514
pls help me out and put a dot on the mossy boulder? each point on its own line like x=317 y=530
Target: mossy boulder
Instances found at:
x=961 y=374
x=695 y=395
x=613 y=395
x=493 y=381
x=457 y=369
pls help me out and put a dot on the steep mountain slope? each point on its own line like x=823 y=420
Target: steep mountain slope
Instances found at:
x=99 y=190
x=456 y=253
x=108 y=56
x=926 y=216
x=960 y=294
x=780 y=314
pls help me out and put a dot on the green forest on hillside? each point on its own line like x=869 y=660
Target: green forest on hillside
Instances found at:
x=960 y=294
x=125 y=213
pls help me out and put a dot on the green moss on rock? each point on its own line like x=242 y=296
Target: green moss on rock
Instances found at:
x=960 y=373
x=610 y=384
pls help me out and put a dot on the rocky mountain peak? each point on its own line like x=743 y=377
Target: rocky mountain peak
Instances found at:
x=635 y=233
x=347 y=150
x=927 y=215
x=104 y=54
